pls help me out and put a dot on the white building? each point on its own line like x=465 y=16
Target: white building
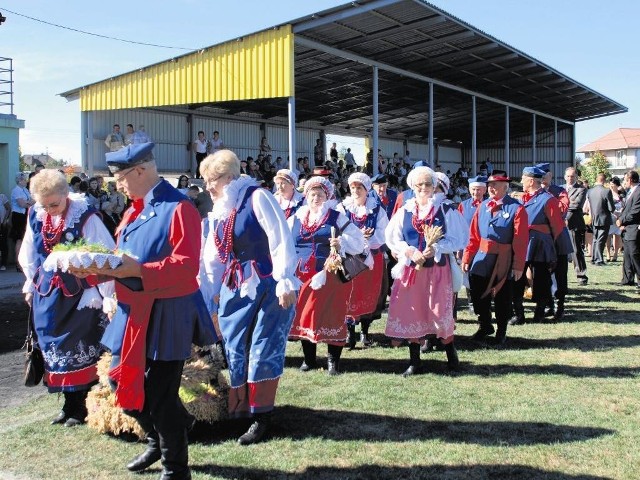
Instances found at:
x=621 y=148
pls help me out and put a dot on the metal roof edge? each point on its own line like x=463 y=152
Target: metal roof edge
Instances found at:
x=75 y=92
x=519 y=52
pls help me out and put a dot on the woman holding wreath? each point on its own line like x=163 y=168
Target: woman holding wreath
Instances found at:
x=322 y=303
x=421 y=301
x=369 y=296
x=67 y=311
x=247 y=277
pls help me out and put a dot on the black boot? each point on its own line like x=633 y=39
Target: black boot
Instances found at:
x=309 y=351
x=150 y=456
x=175 y=456
x=75 y=408
x=351 y=338
x=538 y=314
x=257 y=429
x=559 y=315
x=550 y=311
x=452 y=356
x=518 y=310
x=484 y=330
x=501 y=333
x=414 y=360
x=333 y=359
x=364 y=332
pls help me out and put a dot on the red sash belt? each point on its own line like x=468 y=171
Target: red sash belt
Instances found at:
x=129 y=374
x=501 y=267
x=541 y=227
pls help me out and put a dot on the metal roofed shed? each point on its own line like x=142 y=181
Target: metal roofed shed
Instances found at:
x=395 y=69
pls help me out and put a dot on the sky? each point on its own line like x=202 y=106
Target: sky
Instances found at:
x=589 y=41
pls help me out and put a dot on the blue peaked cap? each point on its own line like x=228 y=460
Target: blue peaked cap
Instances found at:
x=478 y=179
x=534 y=172
x=129 y=156
x=420 y=163
x=545 y=167
x=379 y=178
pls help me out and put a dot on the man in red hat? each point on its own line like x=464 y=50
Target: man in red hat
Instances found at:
x=495 y=255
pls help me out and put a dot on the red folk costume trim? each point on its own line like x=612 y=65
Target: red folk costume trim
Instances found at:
x=358 y=221
x=307 y=231
x=84 y=376
x=51 y=235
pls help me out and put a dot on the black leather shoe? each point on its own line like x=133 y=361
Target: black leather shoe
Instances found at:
x=583 y=281
x=482 y=333
x=500 y=340
x=305 y=367
x=150 y=456
x=73 y=422
x=186 y=475
x=60 y=419
x=254 y=434
x=516 y=320
x=412 y=370
x=144 y=460
x=365 y=340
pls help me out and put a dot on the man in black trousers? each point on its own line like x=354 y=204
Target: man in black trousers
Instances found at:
x=629 y=222
x=601 y=207
x=575 y=223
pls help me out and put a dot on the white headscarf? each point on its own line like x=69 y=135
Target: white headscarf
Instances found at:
x=288 y=175
x=442 y=178
x=413 y=175
x=362 y=178
x=321 y=182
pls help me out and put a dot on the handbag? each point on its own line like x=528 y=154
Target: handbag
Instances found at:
x=34 y=361
x=352 y=265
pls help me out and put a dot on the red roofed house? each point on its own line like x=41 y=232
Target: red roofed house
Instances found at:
x=621 y=147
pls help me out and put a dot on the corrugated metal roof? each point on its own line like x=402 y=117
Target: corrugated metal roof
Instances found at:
x=417 y=41
x=253 y=67
x=418 y=37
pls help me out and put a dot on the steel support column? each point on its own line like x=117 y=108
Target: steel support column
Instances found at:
x=507 y=141
x=533 y=141
x=555 y=151
x=474 y=139
x=291 y=110
x=374 y=129
x=431 y=159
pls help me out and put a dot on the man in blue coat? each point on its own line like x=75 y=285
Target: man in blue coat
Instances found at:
x=160 y=310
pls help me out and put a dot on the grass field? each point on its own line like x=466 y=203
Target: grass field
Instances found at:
x=559 y=401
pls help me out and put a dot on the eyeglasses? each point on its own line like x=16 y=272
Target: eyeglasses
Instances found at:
x=52 y=206
x=423 y=184
x=121 y=177
x=210 y=181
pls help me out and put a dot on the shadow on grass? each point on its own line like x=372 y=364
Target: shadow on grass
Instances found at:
x=299 y=423
x=584 y=344
x=521 y=472
x=436 y=362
